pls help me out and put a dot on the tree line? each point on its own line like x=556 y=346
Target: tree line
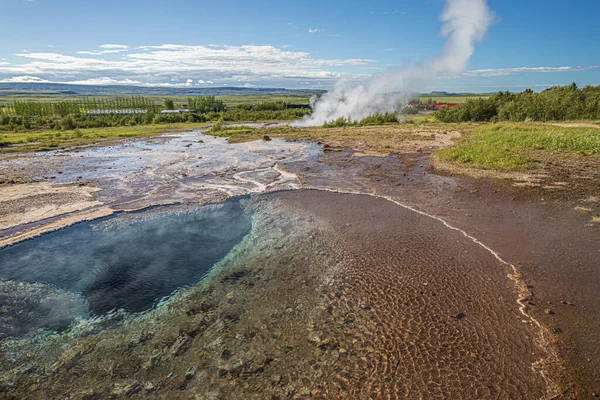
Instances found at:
x=76 y=107
x=82 y=121
x=558 y=103
x=198 y=104
x=206 y=104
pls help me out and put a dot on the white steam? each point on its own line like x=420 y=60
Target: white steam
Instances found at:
x=464 y=22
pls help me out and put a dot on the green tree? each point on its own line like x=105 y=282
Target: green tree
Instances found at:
x=169 y=105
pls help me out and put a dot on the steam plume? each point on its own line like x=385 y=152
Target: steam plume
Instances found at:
x=464 y=22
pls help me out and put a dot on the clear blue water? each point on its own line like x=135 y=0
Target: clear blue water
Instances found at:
x=128 y=261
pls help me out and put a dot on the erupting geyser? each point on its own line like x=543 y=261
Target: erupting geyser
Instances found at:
x=464 y=22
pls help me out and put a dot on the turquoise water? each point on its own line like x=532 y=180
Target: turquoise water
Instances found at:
x=127 y=261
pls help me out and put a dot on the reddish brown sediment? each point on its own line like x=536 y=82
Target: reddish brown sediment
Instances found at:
x=547 y=234
x=422 y=309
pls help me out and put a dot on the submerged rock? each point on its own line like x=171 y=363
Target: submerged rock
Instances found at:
x=26 y=306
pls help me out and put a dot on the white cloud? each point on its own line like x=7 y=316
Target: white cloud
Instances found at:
x=261 y=65
x=524 y=70
x=100 y=52
x=24 y=79
x=114 y=46
x=315 y=30
x=107 y=49
x=104 y=81
x=183 y=65
x=91 y=81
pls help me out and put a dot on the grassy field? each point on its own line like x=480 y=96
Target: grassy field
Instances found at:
x=452 y=99
x=513 y=147
x=52 y=140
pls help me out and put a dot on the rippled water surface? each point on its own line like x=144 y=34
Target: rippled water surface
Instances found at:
x=128 y=261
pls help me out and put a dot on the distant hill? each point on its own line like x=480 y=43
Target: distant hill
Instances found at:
x=461 y=94
x=50 y=89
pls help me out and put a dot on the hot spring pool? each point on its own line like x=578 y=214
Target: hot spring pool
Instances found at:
x=127 y=261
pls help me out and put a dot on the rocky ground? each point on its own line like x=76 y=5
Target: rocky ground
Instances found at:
x=380 y=301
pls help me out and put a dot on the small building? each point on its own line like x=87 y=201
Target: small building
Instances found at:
x=173 y=111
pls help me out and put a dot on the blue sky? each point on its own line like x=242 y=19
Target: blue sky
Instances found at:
x=308 y=44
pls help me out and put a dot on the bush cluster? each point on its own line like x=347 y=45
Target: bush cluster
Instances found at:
x=559 y=103
x=372 y=119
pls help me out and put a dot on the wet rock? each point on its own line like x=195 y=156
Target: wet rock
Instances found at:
x=149 y=386
x=190 y=373
x=127 y=390
x=181 y=344
x=231 y=313
x=187 y=145
x=202 y=306
x=90 y=395
x=226 y=354
x=234 y=369
x=235 y=275
x=266 y=138
x=350 y=318
x=460 y=316
x=25 y=306
x=328 y=345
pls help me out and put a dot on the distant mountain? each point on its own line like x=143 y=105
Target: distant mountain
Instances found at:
x=442 y=93
x=7 y=89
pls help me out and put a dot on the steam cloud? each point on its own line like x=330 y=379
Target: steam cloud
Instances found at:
x=464 y=23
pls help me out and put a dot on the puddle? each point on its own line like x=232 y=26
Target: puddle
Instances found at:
x=128 y=261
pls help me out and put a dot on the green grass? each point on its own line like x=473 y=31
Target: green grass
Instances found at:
x=513 y=147
x=52 y=140
x=452 y=99
x=420 y=119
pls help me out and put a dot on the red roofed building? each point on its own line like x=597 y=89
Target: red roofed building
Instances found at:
x=438 y=106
